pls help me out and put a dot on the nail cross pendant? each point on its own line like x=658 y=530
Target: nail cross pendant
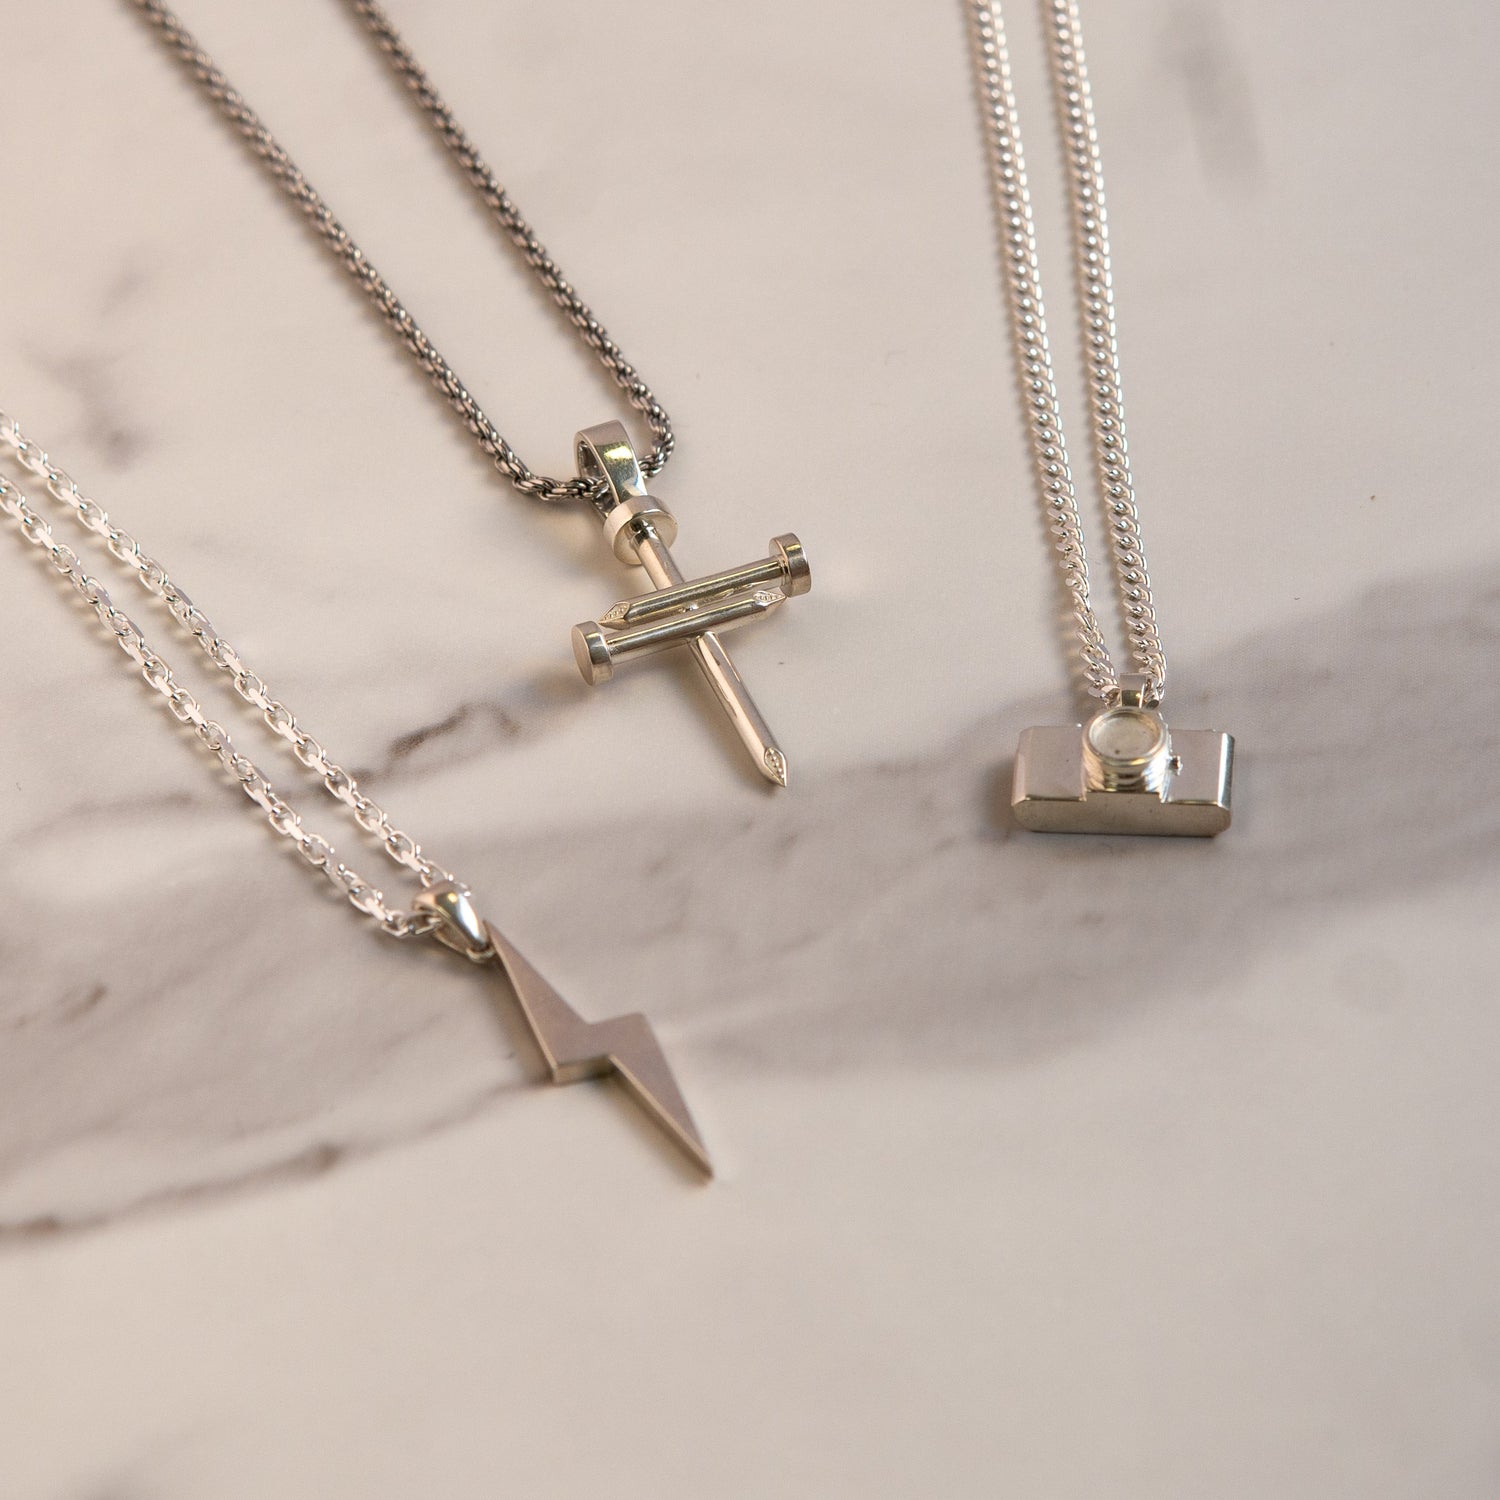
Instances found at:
x=678 y=611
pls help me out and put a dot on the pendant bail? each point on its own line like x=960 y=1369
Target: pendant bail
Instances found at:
x=460 y=925
x=630 y=514
x=1135 y=690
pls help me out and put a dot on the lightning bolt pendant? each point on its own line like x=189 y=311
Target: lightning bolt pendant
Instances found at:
x=575 y=1048
x=572 y=1047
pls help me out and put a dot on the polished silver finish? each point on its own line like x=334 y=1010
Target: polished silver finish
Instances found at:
x=289 y=178
x=1126 y=750
x=622 y=525
x=597 y=650
x=679 y=612
x=786 y=566
x=573 y=1048
x=461 y=927
x=1075 y=111
x=1124 y=772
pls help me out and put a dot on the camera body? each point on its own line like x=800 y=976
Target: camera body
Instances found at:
x=1123 y=772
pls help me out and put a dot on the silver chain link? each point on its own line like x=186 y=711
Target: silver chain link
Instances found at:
x=282 y=817
x=1075 y=111
x=285 y=172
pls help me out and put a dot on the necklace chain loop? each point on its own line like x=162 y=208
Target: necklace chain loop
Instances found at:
x=288 y=176
x=282 y=817
x=1075 y=109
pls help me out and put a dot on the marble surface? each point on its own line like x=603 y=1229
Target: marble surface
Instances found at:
x=1048 y=1167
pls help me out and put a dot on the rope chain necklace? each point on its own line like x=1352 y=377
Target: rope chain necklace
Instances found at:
x=611 y=475
x=571 y=1047
x=1123 y=771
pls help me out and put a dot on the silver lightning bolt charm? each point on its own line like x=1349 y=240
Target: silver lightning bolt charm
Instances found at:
x=680 y=612
x=572 y=1048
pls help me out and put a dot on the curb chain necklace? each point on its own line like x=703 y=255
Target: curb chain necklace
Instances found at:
x=1123 y=771
x=611 y=476
x=571 y=1047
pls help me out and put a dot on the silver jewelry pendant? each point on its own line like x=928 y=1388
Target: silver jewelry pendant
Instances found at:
x=572 y=1048
x=679 y=612
x=1123 y=772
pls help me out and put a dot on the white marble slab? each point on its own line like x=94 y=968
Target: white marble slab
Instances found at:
x=1049 y=1167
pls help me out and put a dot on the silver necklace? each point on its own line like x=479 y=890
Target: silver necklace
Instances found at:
x=571 y=1047
x=1123 y=771
x=611 y=476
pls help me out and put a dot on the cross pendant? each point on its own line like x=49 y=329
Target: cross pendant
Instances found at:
x=679 y=612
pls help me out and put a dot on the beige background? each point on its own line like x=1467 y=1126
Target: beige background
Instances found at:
x=1049 y=1168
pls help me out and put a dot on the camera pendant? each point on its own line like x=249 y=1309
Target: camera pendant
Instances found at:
x=1123 y=772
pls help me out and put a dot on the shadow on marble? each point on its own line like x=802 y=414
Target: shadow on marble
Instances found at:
x=884 y=916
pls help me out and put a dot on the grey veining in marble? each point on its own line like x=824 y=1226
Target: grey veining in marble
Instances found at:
x=890 y=915
x=1048 y=1167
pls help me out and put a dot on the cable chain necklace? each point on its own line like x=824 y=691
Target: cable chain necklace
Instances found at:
x=572 y=1047
x=1122 y=772
x=153 y=577
x=640 y=530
